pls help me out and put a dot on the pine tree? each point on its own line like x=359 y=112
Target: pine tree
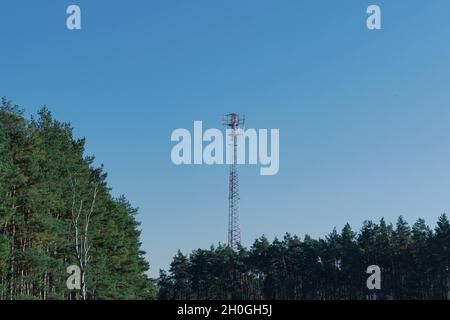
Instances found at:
x=414 y=265
x=46 y=180
x=441 y=252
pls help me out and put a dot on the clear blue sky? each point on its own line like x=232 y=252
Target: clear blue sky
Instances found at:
x=364 y=116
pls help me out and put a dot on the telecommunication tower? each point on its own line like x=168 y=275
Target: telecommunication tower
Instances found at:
x=234 y=122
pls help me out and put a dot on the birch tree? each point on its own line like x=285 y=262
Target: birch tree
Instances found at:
x=81 y=220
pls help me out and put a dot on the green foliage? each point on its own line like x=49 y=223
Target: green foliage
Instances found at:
x=414 y=263
x=42 y=169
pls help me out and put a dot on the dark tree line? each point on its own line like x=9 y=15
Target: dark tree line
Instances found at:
x=414 y=264
x=56 y=210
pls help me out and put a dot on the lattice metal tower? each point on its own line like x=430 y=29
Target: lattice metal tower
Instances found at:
x=234 y=122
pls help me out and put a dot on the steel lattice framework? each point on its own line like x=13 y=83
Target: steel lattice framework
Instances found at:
x=234 y=122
